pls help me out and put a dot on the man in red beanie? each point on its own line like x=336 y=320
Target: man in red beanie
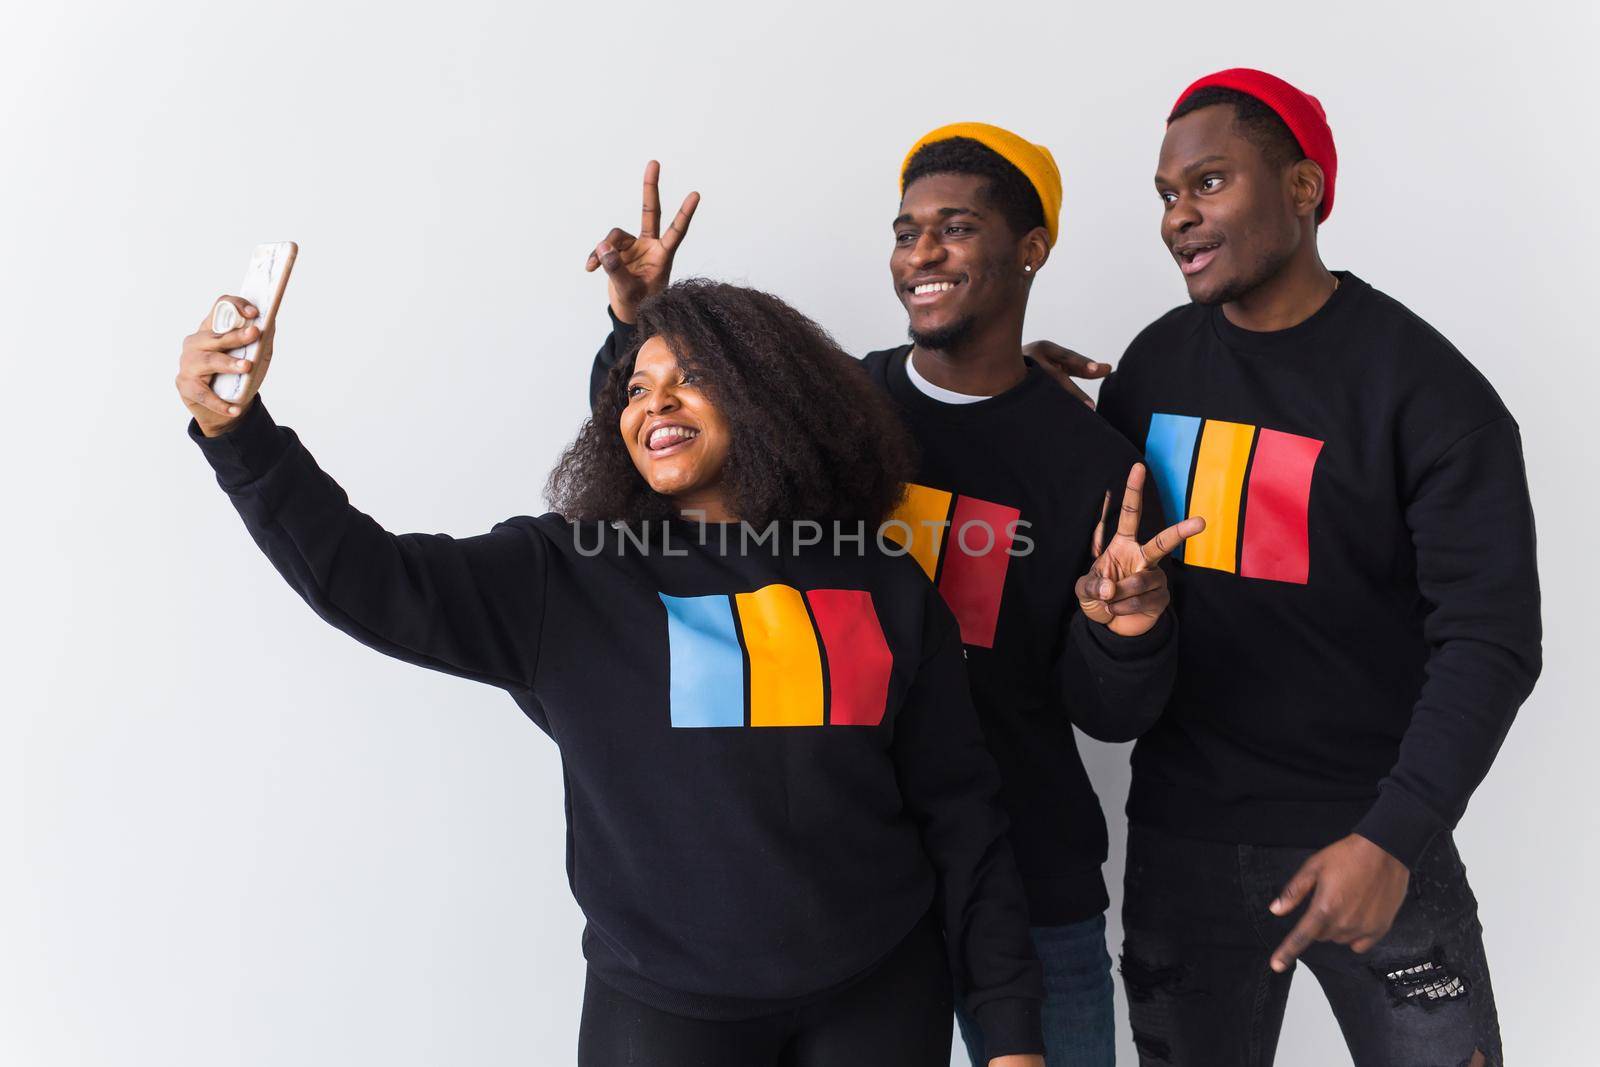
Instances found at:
x=1360 y=618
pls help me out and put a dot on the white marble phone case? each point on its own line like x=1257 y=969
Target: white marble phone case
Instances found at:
x=263 y=286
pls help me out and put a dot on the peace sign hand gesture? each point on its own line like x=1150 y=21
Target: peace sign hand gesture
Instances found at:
x=1124 y=589
x=638 y=267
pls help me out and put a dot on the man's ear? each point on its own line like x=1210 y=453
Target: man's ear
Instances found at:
x=1035 y=249
x=1306 y=187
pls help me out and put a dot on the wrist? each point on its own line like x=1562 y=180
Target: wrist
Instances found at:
x=1400 y=825
x=1119 y=646
x=218 y=427
x=1011 y=1026
x=623 y=312
x=246 y=448
x=1379 y=851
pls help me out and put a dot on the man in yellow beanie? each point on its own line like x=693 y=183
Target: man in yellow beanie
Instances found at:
x=1062 y=622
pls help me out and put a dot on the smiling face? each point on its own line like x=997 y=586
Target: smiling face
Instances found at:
x=956 y=262
x=1229 y=215
x=676 y=436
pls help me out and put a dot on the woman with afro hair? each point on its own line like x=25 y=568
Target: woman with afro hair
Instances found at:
x=783 y=824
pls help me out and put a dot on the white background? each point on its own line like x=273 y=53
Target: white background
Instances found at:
x=230 y=835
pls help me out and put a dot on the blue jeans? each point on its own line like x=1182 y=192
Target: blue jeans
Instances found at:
x=1079 y=1021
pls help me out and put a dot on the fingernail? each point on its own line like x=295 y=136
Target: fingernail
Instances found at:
x=249 y=309
x=233 y=411
x=239 y=365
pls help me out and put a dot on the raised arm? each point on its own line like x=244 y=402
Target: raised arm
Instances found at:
x=471 y=607
x=1121 y=654
x=618 y=341
x=637 y=267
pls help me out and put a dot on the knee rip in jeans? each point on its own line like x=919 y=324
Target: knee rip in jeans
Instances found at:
x=1427 y=982
x=1152 y=1049
x=1143 y=981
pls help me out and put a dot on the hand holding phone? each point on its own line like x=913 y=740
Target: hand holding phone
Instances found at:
x=232 y=347
x=264 y=282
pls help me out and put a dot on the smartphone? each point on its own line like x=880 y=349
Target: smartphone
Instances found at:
x=264 y=282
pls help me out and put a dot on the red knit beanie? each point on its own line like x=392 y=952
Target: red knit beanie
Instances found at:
x=1301 y=112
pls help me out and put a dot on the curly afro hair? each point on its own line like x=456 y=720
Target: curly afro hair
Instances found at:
x=811 y=437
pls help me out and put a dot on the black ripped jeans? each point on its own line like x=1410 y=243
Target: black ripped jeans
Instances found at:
x=1198 y=936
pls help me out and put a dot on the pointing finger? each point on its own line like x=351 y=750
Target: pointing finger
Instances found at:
x=1132 y=503
x=1306 y=932
x=1166 y=542
x=1295 y=889
x=650 y=217
x=680 y=223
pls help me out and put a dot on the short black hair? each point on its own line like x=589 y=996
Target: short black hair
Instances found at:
x=1008 y=189
x=1259 y=124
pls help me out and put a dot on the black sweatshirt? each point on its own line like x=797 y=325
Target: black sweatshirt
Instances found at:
x=1361 y=617
x=1036 y=458
x=772 y=767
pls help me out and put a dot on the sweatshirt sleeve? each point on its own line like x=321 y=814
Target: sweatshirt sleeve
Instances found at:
x=471 y=607
x=1471 y=523
x=952 y=788
x=1117 y=687
x=618 y=341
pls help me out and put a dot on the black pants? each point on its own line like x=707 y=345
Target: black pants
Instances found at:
x=897 y=1016
x=1198 y=936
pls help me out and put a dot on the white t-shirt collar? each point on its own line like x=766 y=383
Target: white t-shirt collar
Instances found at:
x=937 y=392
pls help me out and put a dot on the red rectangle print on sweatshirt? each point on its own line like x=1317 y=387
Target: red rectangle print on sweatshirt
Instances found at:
x=859 y=660
x=1276 y=537
x=972 y=576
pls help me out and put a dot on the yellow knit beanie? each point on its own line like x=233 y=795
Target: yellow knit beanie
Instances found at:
x=1033 y=160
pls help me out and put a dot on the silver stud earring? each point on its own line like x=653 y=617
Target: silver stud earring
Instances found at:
x=1028 y=267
